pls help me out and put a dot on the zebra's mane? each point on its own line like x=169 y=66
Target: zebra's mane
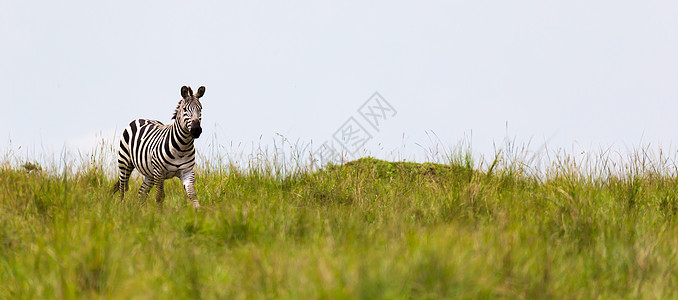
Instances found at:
x=176 y=110
x=182 y=101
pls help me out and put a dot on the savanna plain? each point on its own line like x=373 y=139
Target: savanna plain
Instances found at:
x=576 y=228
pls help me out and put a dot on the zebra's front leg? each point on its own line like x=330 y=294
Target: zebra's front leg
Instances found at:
x=159 y=181
x=145 y=188
x=188 y=178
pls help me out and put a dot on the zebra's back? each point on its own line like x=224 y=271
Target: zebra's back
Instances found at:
x=140 y=139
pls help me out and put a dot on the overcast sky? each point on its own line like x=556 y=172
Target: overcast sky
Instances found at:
x=591 y=74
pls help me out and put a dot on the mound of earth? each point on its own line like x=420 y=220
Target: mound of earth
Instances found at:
x=386 y=170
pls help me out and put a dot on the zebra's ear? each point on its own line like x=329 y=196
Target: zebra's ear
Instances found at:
x=201 y=91
x=184 y=91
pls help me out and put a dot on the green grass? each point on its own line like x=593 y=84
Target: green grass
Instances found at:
x=367 y=230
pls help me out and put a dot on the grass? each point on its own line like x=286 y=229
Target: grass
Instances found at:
x=368 y=229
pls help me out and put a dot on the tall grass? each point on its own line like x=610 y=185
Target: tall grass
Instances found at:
x=514 y=226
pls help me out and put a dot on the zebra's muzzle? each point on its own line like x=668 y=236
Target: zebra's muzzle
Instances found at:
x=196 y=130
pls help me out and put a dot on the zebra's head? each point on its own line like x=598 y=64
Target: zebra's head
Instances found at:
x=188 y=111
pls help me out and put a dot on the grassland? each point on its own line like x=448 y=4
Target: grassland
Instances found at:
x=369 y=229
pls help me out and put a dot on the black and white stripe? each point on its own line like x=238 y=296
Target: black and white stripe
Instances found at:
x=160 y=151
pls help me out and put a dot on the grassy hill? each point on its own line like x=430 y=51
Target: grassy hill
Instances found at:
x=363 y=230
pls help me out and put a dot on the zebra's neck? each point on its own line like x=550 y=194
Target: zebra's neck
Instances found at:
x=183 y=139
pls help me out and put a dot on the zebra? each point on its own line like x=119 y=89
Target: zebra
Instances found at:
x=160 y=151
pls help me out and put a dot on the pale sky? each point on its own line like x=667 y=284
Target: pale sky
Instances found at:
x=590 y=74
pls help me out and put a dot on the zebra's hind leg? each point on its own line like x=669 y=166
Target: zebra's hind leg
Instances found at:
x=123 y=180
x=145 y=188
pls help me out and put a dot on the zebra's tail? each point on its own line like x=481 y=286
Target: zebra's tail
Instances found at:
x=115 y=187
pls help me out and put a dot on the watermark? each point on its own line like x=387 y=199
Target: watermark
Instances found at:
x=352 y=136
x=376 y=109
x=355 y=133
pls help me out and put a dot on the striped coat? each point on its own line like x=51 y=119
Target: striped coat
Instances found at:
x=160 y=151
